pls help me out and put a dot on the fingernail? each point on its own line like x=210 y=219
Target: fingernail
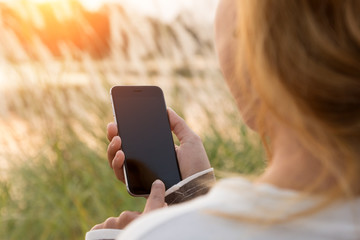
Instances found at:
x=113 y=162
x=113 y=142
x=116 y=138
x=157 y=182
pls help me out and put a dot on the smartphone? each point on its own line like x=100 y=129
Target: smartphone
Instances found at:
x=144 y=128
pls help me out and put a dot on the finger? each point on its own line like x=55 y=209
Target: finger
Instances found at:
x=117 y=165
x=125 y=218
x=156 y=198
x=113 y=148
x=97 y=226
x=179 y=127
x=112 y=131
x=109 y=223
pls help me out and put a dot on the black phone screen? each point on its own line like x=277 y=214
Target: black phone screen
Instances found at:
x=147 y=142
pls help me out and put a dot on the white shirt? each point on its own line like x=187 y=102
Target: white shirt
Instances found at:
x=237 y=208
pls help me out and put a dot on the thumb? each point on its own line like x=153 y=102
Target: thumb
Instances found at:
x=156 y=198
x=179 y=126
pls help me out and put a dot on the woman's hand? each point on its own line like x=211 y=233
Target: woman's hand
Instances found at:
x=191 y=152
x=155 y=200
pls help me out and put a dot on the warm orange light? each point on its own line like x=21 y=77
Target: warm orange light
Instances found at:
x=92 y=4
x=41 y=1
x=89 y=4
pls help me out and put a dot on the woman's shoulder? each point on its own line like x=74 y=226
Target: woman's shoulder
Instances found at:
x=237 y=207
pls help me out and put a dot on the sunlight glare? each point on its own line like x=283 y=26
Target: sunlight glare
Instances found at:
x=163 y=9
x=88 y=4
x=43 y=1
x=92 y=5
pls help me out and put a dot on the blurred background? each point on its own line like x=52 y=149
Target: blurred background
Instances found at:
x=58 y=61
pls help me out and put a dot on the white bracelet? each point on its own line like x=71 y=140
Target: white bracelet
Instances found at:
x=187 y=180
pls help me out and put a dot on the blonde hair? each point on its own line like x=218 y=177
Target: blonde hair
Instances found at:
x=303 y=59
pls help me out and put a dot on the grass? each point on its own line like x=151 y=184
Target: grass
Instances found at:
x=55 y=180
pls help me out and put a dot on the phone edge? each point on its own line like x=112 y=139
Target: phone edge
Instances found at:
x=124 y=166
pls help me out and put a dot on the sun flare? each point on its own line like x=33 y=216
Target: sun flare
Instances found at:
x=89 y=4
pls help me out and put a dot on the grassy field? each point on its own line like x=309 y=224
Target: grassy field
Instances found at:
x=55 y=182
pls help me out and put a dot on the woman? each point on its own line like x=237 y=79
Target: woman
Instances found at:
x=294 y=69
